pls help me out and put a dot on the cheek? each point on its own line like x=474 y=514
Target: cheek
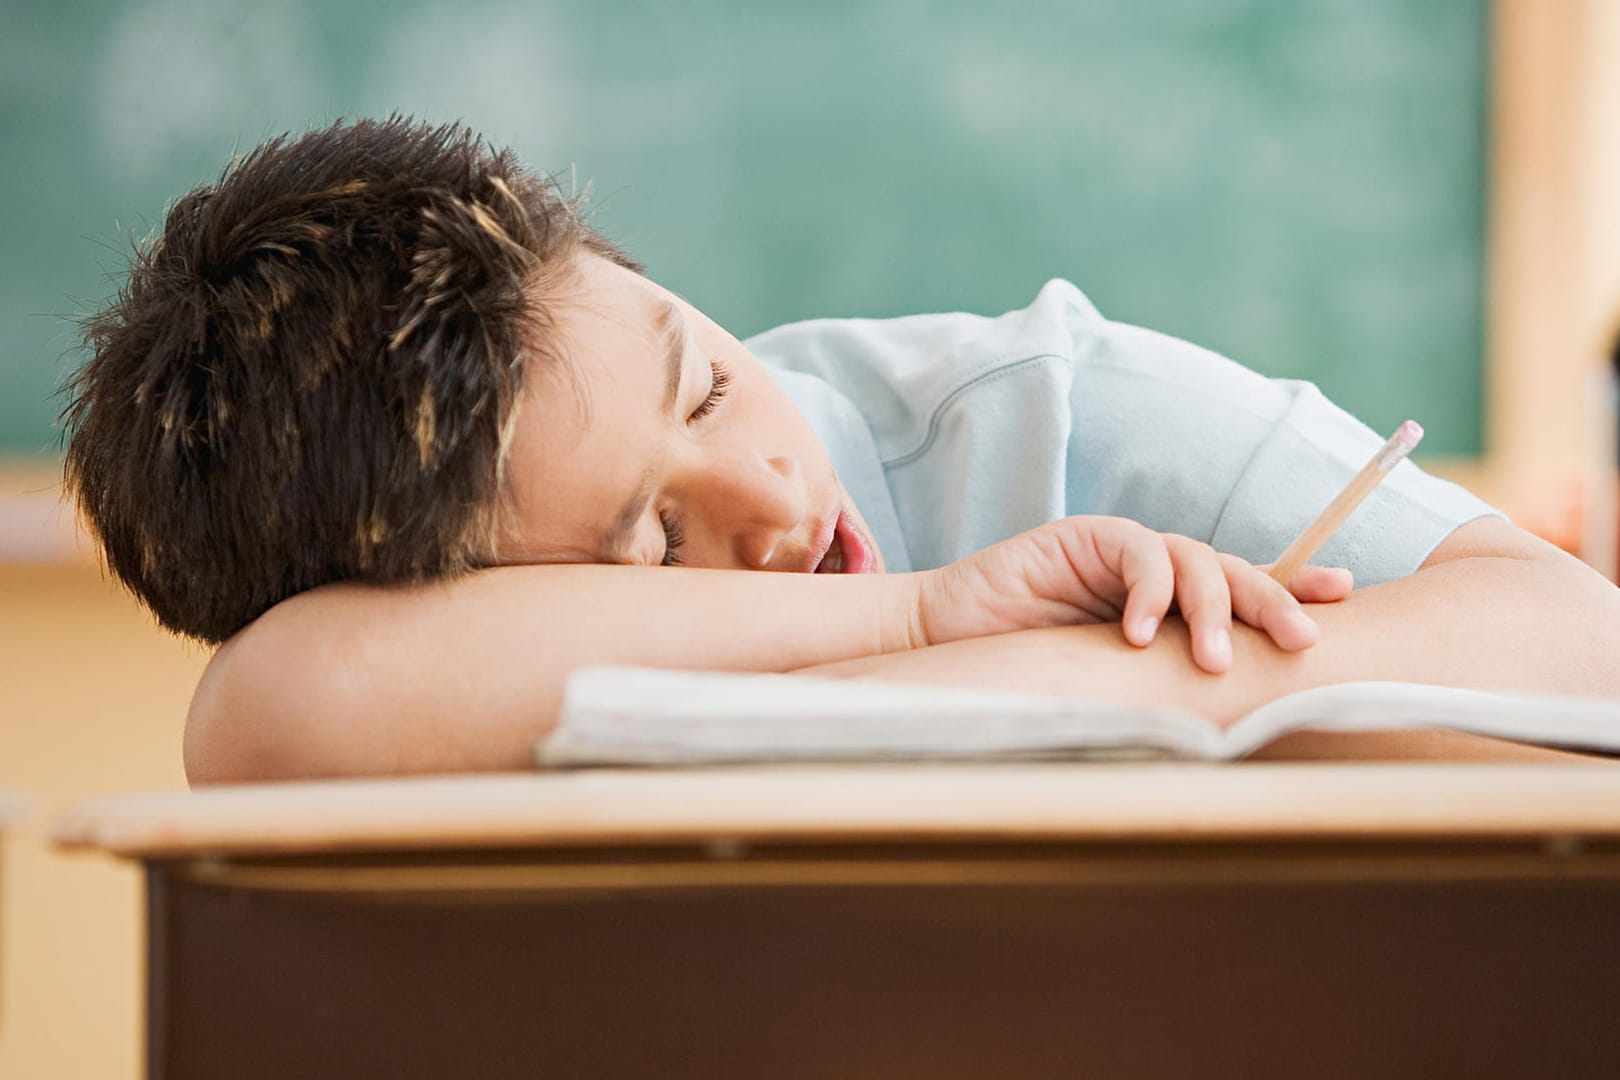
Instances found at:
x=776 y=419
x=763 y=413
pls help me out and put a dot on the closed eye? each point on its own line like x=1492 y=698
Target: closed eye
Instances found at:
x=672 y=540
x=721 y=381
x=717 y=390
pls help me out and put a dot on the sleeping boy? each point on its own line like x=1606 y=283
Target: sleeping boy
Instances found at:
x=381 y=414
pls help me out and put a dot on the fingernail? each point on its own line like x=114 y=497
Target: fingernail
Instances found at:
x=1148 y=628
x=1220 y=646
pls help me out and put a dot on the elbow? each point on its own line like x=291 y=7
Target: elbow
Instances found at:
x=1590 y=626
x=1560 y=617
x=1576 y=610
x=272 y=705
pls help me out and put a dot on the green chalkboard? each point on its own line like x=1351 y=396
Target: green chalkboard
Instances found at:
x=1296 y=183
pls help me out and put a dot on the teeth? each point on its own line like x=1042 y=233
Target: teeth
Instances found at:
x=833 y=562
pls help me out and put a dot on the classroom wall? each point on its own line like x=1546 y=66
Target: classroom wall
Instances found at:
x=94 y=702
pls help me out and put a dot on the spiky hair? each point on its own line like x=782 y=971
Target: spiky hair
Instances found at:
x=312 y=373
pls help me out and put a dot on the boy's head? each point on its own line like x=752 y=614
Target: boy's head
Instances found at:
x=311 y=374
x=322 y=367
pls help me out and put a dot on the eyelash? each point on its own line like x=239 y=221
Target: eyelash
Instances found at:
x=722 y=380
x=672 y=528
x=672 y=540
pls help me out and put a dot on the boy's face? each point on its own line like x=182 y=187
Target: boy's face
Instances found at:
x=614 y=459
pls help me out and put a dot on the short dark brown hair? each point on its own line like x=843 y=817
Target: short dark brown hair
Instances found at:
x=311 y=374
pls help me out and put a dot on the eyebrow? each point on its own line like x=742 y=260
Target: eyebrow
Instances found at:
x=669 y=326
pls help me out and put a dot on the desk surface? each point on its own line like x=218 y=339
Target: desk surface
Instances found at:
x=1157 y=802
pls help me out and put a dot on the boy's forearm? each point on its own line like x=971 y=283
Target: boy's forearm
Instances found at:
x=1493 y=623
x=466 y=674
x=1402 y=631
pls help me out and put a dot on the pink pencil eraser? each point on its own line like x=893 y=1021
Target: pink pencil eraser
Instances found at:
x=1409 y=434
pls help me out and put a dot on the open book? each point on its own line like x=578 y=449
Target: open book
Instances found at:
x=646 y=716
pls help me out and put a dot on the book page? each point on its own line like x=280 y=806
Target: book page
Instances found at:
x=1589 y=723
x=647 y=716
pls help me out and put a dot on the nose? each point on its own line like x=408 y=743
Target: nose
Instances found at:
x=746 y=503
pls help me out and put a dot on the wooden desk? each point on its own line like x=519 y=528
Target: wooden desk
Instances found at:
x=1005 y=921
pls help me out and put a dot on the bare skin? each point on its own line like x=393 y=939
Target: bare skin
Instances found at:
x=380 y=670
x=464 y=675
x=1492 y=608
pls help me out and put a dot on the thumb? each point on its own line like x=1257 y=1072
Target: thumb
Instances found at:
x=1320 y=584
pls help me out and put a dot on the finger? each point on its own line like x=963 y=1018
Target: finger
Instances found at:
x=1205 y=601
x=1259 y=601
x=1320 y=584
x=1150 y=581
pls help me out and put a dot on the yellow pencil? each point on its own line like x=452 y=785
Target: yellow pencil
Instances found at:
x=1328 y=521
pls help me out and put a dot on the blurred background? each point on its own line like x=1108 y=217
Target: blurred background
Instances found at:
x=1417 y=206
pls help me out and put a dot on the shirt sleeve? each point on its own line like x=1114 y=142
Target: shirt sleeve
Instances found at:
x=1186 y=441
x=978 y=428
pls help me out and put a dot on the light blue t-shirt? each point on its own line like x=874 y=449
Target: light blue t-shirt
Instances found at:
x=952 y=432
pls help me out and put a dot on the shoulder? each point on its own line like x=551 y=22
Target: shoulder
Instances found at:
x=901 y=372
x=904 y=347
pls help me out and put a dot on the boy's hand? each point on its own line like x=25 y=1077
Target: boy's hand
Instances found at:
x=1106 y=569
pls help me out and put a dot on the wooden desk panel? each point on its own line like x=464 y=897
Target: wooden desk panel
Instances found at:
x=1038 y=961
x=1013 y=921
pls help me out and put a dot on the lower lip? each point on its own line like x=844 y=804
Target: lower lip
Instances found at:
x=857 y=556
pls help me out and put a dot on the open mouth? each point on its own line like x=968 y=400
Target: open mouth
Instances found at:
x=848 y=553
x=833 y=561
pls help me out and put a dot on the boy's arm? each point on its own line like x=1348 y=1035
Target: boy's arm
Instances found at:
x=464 y=674
x=1492 y=607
